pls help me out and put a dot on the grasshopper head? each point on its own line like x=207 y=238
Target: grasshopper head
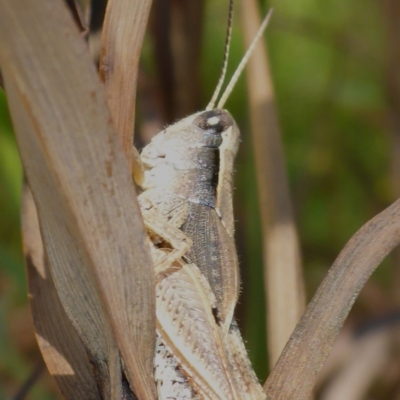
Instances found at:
x=218 y=127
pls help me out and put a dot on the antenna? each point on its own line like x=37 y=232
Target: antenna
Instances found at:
x=244 y=61
x=211 y=104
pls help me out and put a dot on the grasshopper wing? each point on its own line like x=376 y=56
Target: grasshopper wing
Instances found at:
x=187 y=326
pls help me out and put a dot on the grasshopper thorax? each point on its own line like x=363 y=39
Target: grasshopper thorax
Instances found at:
x=191 y=156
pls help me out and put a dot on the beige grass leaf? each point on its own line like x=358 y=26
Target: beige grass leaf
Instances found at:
x=122 y=36
x=89 y=217
x=61 y=347
x=284 y=284
x=296 y=371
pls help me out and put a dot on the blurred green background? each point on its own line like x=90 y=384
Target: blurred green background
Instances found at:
x=329 y=62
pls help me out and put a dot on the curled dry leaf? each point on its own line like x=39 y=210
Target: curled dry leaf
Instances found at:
x=296 y=371
x=61 y=347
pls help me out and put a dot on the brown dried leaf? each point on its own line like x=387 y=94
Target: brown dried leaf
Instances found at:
x=77 y=10
x=297 y=369
x=62 y=350
x=122 y=36
x=89 y=217
x=177 y=29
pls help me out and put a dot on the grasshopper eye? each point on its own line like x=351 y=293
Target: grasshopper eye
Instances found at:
x=214 y=121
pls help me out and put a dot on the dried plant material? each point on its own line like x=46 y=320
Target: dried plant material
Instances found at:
x=67 y=261
x=79 y=13
x=391 y=14
x=282 y=264
x=122 y=39
x=370 y=354
x=297 y=369
x=85 y=10
x=90 y=220
x=61 y=347
x=341 y=351
x=178 y=28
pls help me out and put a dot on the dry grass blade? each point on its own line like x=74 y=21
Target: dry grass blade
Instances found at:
x=282 y=265
x=123 y=31
x=178 y=33
x=89 y=217
x=63 y=351
x=71 y=265
x=296 y=371
x=85 y=9
x=391 y=14
x=77 y=10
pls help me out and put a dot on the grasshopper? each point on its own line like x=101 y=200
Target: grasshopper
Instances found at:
x=186 y=203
